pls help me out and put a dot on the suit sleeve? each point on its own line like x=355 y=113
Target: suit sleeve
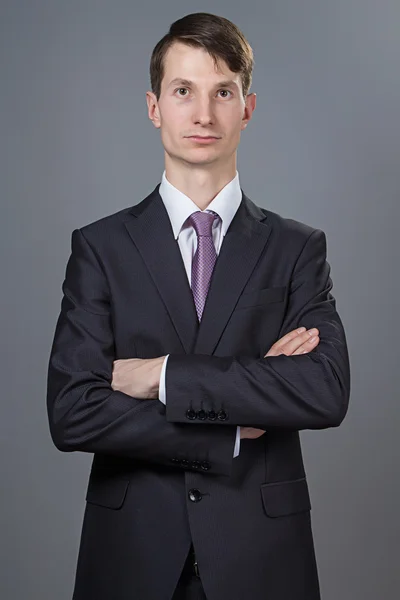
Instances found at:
x=163 y=399
x=307 y=391
x=85 y=413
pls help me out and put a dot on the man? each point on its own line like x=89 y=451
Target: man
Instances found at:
x=197 y=337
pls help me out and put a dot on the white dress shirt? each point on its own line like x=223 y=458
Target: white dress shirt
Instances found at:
x=179 y=207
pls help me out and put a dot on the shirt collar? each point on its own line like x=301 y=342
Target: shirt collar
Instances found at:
x=179 y=206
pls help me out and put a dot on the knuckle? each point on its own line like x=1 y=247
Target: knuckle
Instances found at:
x=299 y=350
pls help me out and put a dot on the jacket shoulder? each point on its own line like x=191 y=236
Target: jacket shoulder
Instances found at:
x=105 y=225
x=290 y=234
x=110 y=223
x=287 y=225
x=280 y=224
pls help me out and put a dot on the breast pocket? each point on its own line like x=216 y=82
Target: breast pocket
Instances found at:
x=261 y=297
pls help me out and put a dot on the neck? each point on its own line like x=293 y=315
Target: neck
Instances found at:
x=201 y=183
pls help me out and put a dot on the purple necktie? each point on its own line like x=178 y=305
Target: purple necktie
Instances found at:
x=204 y=258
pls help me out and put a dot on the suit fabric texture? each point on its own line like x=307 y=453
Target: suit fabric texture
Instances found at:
x=164 y=476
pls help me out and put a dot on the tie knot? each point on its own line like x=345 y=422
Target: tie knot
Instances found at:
x=203 y=221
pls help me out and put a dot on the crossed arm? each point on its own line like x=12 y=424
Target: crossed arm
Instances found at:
x=142 y=378
x=299 y=391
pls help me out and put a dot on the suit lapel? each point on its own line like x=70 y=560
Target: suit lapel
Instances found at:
x=152 y=234
x=241 y=248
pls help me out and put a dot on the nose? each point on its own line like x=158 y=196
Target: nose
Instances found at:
x=203 y=112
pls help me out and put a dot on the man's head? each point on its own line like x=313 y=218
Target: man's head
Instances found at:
x=200 y=74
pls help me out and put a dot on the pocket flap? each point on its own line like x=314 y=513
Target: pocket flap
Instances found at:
x=107 y=491
x=261 y=297
x=285 y=497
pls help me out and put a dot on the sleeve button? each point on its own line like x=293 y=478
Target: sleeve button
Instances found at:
x=202 y=415
x=222 y=415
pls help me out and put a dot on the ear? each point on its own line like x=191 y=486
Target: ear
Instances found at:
x=153 y=109
x=249 y=108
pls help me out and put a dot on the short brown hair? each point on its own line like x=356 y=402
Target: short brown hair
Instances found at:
x=217 y=35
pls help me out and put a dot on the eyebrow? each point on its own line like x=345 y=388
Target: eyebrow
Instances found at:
x=187 y=82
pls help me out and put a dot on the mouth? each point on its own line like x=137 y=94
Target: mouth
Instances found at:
x=203 y=139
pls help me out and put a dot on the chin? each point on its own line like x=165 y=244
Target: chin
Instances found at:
x=202 y=154
x=200 y=161
x=197 y=156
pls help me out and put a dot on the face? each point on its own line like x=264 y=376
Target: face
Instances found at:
x=199 y=100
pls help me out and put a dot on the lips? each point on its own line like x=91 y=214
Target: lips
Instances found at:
x=204 y=137
x=202 y=140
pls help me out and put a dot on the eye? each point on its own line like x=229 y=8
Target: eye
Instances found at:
x=186 y=89
x=179 y=90
x=229 y=92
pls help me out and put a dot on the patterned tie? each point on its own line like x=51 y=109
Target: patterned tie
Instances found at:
x=204 y=258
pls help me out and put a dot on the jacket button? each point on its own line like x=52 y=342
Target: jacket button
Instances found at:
x=191 y=414
x=212 y=415
x=205 y=465
x=222 y=415
x=195 y=464
x=195 y=495
x=184 y=462
x=202 y=415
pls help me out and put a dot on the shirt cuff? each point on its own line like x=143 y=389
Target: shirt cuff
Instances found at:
x=161 y=387
x=237 y=443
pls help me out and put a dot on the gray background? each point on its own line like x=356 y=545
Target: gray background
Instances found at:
x=323 y=147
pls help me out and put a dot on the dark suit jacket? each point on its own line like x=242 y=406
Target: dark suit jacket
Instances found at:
x=165 y=475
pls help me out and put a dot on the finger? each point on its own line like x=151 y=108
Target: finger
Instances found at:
x=276 y=348
x=289 y=336
x=302 y=338
x=259 y=433
x=307 y=346
x=294 y=341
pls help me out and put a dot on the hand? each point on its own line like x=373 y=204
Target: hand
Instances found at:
x=298 y=341
x=138 y=377
x=250 y=433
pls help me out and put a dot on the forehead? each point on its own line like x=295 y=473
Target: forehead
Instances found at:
x=183 y=61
